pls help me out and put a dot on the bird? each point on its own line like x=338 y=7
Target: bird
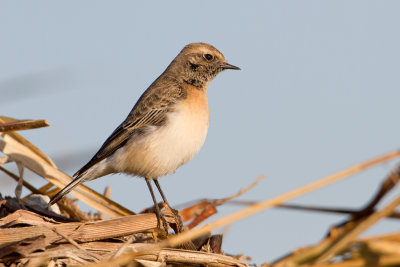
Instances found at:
x=166 y=127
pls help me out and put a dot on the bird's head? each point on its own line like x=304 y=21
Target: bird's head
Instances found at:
x=199 y=63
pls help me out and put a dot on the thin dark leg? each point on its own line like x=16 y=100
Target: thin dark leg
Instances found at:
x=161 y=192
x=158 y=213
x=176 y=215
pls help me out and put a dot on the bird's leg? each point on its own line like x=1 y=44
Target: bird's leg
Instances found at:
x=160 y=217
x=177 y=218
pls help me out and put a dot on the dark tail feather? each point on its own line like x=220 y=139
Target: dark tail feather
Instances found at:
x=78 y=180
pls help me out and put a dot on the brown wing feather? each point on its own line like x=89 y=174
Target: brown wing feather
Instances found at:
x=150 y=110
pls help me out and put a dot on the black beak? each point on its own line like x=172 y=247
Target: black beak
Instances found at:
x=226 y=66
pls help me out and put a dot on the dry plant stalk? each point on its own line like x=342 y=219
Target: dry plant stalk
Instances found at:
x=206 y=208
x=18 y=152
x=195 y=233
x=19 y=125
x=176 y=240
x=41 y=233
x=84 y=242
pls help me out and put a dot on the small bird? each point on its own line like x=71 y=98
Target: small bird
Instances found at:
x=166 y=127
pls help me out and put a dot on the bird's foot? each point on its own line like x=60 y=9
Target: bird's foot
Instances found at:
x=178 y=225
x=161 y=221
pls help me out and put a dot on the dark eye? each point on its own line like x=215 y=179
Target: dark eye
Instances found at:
x=208 y=57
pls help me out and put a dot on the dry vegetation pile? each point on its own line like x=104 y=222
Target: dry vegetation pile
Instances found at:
x=33 y=235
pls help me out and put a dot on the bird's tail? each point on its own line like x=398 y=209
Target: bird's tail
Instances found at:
x=78 y=180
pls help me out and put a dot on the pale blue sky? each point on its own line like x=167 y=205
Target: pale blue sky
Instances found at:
x=318 y=92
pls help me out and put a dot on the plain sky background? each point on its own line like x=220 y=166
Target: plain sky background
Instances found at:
x=318 y=92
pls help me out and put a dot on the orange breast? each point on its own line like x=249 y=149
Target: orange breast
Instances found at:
x=196 y=103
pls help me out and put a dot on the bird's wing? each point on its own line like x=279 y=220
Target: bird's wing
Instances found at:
x=150 y=110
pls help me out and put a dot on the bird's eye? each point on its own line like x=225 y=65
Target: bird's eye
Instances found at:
x=208 y=57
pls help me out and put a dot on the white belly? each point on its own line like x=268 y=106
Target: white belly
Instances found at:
x=163 y=149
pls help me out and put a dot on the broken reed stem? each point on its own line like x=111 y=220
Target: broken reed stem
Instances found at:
x=219 y=202
x=184 y=237
x=22 y=125
x=393 y=215
x=382 y=260
x=73 y=242
x=19 y=138
x=331 y=251
x=123 y=247
x=16 y=178
x=19 y=152
x=195 y=233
